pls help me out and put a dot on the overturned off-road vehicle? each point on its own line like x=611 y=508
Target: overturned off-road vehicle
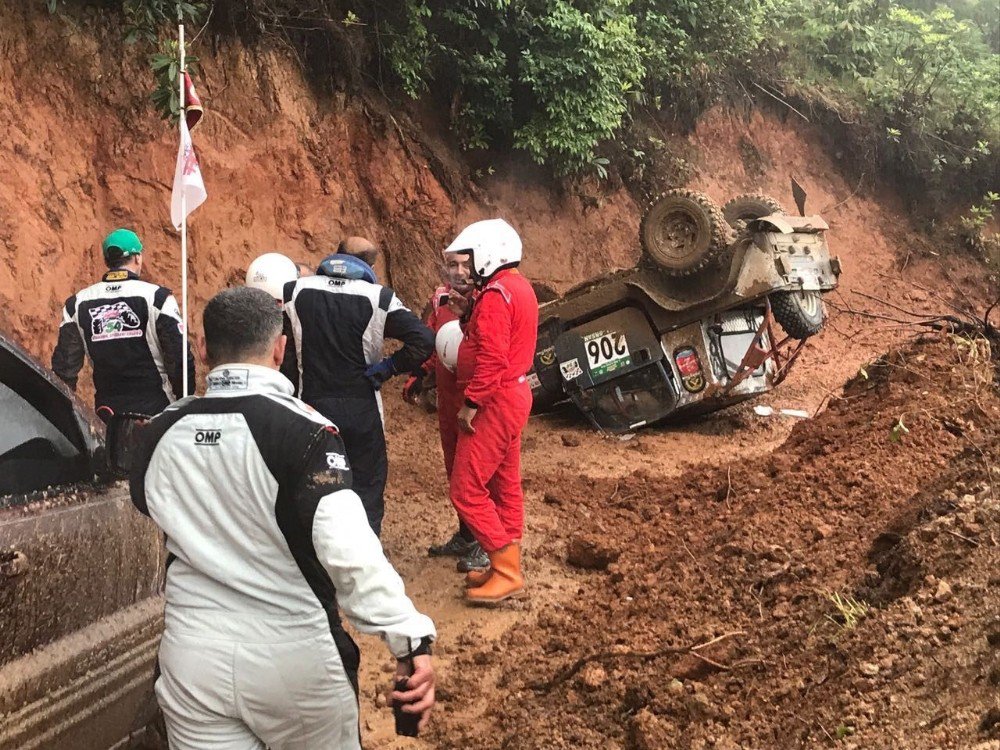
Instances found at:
x=691 y=328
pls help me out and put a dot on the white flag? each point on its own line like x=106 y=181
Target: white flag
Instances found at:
x=187 y=180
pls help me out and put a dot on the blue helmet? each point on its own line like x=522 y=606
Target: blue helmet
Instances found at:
x=342 y=266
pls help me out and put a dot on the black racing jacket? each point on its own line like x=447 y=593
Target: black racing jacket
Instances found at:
x=132 y=332
x=336 y=328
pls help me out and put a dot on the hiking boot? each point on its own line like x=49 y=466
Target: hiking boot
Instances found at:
x=475 y=559
x=457 y=546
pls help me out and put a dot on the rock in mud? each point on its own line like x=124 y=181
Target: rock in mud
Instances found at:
x=647 y=731
x=868 y=669
x=591 y=552
x=699 y=707
x=592 y=676
x=943 y=592
x=570 y=441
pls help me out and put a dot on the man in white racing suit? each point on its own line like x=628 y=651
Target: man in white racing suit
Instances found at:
x=266 y=539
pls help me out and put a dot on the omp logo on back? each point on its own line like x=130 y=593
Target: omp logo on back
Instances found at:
x=114 y=321
x=207 y=437
x=336 y=461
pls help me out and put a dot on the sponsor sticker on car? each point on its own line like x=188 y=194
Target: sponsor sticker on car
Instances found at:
x=689 y=367
x=571 y=369
x=607 y=351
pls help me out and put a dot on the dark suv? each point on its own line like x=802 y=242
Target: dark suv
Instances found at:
x=80 y=577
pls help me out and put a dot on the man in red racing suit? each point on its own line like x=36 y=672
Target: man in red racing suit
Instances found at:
x=462 y=543
x=493 y=360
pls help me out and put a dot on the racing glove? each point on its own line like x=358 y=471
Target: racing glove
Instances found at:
x=380 y=372
x=413 y=388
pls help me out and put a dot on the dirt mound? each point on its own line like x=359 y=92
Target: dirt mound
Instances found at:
x=842 y=587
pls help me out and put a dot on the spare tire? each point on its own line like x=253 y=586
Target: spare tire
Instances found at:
x=744 y=208
x=800 y=313
x=683 y=231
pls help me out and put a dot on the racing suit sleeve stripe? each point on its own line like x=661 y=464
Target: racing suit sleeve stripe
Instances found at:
x=338 y=537
x=493 y=322
x=168 y=331
x=369 y=591
x=385 y=296
x=67 y=357
x=417 y=338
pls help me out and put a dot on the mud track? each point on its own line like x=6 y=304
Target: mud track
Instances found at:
x=736 y=528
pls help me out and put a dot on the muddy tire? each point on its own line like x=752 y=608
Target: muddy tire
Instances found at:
x=683 y=231
x=800 y=313
x=744 y=208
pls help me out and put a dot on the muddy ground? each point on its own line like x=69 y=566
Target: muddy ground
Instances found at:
x=841 y=569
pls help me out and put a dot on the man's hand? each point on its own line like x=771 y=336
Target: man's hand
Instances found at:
x=419 y=697
x=380 y=372
x=413 y=388
x=458 y=303
x=465 y=416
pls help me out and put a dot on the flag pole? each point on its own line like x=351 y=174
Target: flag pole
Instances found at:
x=184 y=266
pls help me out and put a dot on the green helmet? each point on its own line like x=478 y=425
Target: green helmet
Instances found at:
x=121 y=243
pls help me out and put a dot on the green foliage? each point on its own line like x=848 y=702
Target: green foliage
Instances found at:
x=688 y=43
x=552 y=78
x=913 y=82
x=579 y=69
x=146 y=19
x=166 y=65
x=926 y=80
x=971 y=228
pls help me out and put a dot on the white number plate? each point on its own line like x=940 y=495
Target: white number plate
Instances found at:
x=606 y=352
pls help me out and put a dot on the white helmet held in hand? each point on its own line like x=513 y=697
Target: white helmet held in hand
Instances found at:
x=493 y=244
x=449 y=338
x=270 y=272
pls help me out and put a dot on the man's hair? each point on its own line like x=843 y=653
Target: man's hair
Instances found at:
x=360 y=248
x=240 y=323
x=116 y=263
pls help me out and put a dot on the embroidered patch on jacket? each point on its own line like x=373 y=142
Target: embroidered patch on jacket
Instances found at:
x=114 y=321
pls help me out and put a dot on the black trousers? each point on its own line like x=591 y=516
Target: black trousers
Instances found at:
x=360 y=426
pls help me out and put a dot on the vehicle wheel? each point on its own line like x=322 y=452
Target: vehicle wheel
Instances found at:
x=744 y=208
x=800 y=313
x=683 y=231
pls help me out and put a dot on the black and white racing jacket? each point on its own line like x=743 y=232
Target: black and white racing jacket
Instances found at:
x=132 y=330
x=253 y=491
x=336 y=329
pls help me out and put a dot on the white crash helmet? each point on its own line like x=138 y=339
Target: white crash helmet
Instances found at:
x=493 y=244
x=449 y=338
x=270 y=272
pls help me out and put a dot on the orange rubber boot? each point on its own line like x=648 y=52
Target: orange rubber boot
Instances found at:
x=505 y=578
